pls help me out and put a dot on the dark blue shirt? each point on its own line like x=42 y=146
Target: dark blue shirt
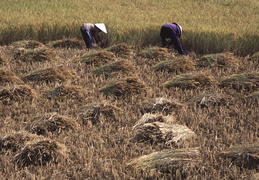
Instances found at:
x=173 y=32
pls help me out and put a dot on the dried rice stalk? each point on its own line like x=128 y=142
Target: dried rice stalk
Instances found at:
x=160 y=105
x=38 y=54
x=254 y=57
x=254 y=95
x=65 y=91
x=97 y=58
x=20 y=93
x=226 y=59
x=255 y=176
x=27 y=44
x=67 y=43
x=122 y=50
x=60 y=73
x=17 y=53
x=51 y=122
x=39 y=153
x=96 y=113
x=122 y=66
x=191 y=80
x=210 y=100
x=15 y=141
x=2 y=60
x=149 y=118
x=122 y=87
x=154 y=53
x=7 y=77
x=249 y=81
x=158 y=132
x=179 y=64
x=168 y=160
x=245 y=155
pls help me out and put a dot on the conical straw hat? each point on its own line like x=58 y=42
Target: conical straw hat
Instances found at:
x=101 y=26
x=181 y=29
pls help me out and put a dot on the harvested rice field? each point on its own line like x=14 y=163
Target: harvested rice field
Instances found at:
x=126 y=112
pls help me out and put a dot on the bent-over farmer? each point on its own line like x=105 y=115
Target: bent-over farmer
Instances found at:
x=172 y=31
x=90 y=32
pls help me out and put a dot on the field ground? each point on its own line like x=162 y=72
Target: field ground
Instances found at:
x=100 y=145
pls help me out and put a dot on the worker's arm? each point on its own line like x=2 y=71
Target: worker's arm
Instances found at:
x=163 y=42
x=97 y=37
x=178 y=46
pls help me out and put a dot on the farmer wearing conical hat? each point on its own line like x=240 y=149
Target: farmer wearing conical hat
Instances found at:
x=172 y=31
x=90 y=32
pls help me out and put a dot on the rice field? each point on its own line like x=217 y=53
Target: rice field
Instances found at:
x=62 y=119
x=208 y=26
x=131 y=109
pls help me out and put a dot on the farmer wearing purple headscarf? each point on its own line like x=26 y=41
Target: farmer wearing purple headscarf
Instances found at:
x=90 y=32
x=172 y=31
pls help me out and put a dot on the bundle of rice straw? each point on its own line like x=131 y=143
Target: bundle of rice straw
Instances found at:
x=193 y=80
x=97 y=57
x=154 y=53
x=121 y=66
x=15 y=141
x=27 y=44
x=9 y=77
x=245 y=155
x=39 y=153
x=149 y=118
x=97 y=112
x=159 y=132
x=226 y=59
x=211 y=100
x=122 y=87
x=254 y=57
x=53 y=74
x=122 y=50
x=2 y=60
x=51 y=122
x=65 y=91
x=38 y=54
x=67 y=43
x=17 y=94
x=248 y=81
x=177 y=65
x=160 y=105
x=168 y=161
